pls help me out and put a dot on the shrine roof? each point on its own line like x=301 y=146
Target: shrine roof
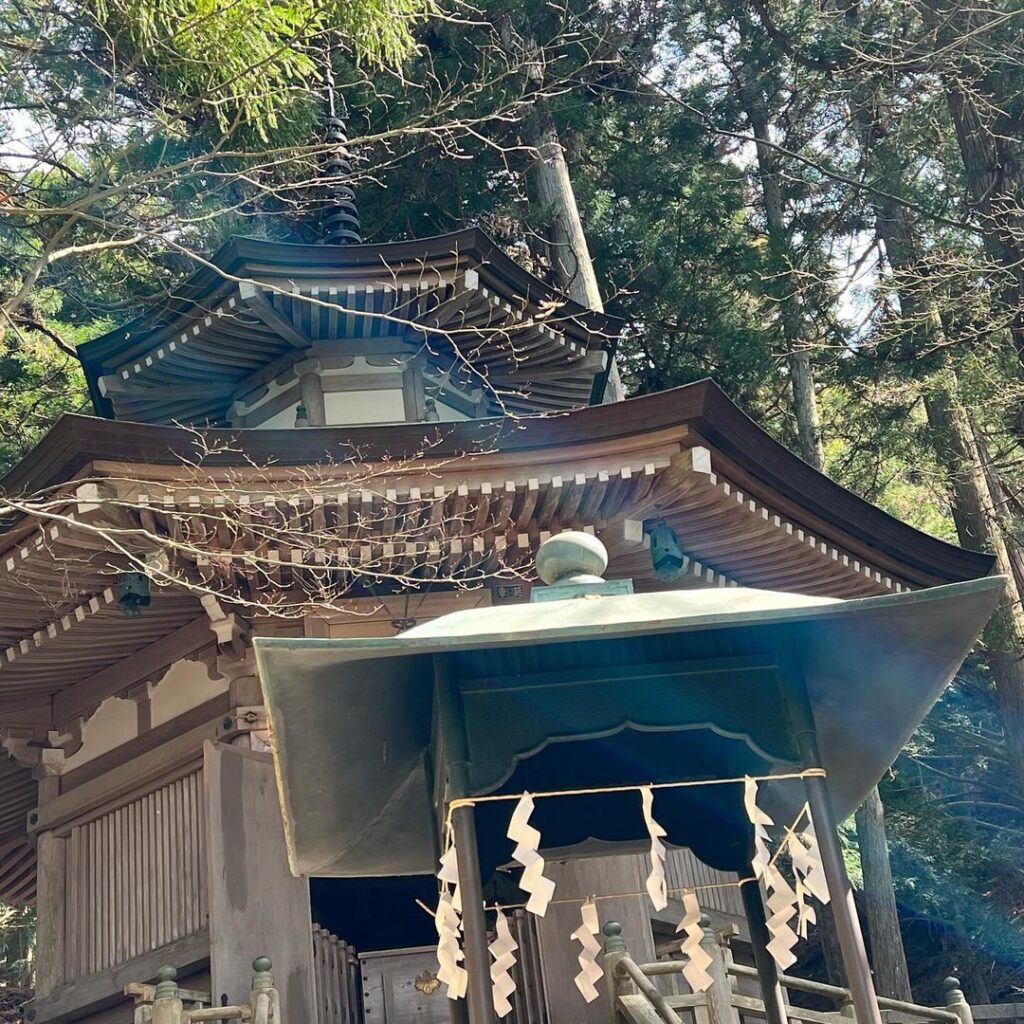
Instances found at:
x=353 y=714
x=750 y=474
x=257 y=306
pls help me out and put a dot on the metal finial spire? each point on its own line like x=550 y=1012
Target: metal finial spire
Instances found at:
x=341 y=218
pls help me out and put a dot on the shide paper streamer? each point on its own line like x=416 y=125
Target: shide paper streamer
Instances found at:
x=698 y=960
x=586 y=935
x=449 y=954
x=656 y=887
x=502 y=951
x=527 y=840
x=782 y=904
x=448 y=923
x=787 y=908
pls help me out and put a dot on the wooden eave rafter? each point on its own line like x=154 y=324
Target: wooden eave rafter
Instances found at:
x=457 y=294
x=847 y=531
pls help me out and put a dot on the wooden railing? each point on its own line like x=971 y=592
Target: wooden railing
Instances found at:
x=166 y=1003
x=638 y=998
x=336 y=973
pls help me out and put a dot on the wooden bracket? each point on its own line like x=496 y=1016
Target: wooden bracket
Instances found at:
x=229 y=629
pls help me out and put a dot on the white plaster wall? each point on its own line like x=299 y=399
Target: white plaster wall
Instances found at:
x=115 y=722
x=280 y=420
x=186 y=685
x=350 y=407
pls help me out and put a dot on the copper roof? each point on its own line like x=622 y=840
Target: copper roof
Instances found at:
x=256 y=307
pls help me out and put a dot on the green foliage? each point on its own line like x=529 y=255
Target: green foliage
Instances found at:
x=249 y=59
x=17 y=956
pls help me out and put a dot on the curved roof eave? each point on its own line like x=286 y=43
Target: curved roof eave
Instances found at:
x=232 y=258
x=702 y=407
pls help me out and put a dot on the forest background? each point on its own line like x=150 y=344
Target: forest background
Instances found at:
x=818 y=203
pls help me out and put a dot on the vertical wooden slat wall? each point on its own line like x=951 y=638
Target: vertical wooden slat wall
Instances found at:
x=682 y=868
x=529 y=1003
x=134 y=878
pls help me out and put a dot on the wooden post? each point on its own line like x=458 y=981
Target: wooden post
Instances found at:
x=614 y=951
x=719 y=995
x=956 y=1001
x=478 y=959
x=767 y=969
x=844 y=910
x=263 y=996
x=254 y=900
x=50 y=913
x=167 y=1005
x=311 y=391
x=452 y=728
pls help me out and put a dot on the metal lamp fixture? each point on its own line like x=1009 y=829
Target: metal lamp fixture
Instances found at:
x=133 y=593
x=667 y=556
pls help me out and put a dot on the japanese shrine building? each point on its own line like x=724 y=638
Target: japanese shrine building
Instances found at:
x=423 y=412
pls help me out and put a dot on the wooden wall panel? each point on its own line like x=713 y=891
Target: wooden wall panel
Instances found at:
x=623 y=873
x=682 y=868
x=132 y=878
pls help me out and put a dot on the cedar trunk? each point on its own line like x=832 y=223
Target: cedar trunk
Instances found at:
x=567 y=246
x=890 y=962
x=785 y=285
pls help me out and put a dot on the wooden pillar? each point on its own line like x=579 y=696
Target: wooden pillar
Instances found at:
x=767 y=970
x=478 y=959
x=844 y=911
x=311 y=391
x=256 y=906
x=856 y=968
x=51 y=898
x=452 y=728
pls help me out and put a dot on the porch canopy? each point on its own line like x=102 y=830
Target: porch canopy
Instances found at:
x=374 y=737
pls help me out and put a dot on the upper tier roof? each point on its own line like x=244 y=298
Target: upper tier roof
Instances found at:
x=257 y=307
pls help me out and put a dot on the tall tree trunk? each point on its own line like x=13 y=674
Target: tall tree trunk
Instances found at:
x=973 y=508
x=785 y=287
x=954 y=440
x=890 y=962
x=991 y=159
x=567 y=245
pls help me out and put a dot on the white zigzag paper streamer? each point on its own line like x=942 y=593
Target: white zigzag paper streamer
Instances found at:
x=759 y=820
x=656 y=879
x=527 y=840
x=586 y=935
x=782 y=907
x=805 y=914
x=502 y=949
x=449 y=874
x=449 y=954
x=807 y=863
x=697 y=958
x=782 y=903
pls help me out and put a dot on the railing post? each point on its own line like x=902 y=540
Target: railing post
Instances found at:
x=614 y=952
x=956 y=1001
x=719 y=995
x=263 y=997
x=167 y=1005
